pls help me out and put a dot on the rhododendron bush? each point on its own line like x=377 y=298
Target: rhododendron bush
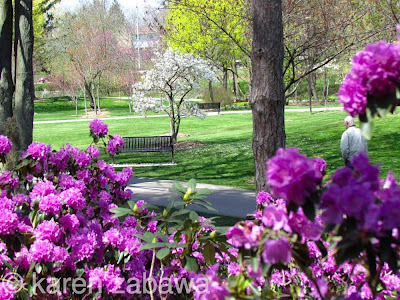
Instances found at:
x=67 y=216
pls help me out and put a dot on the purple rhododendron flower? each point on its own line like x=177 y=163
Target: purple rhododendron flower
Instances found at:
x=41 y=251
x=73 y=198
x=5 y=145
x=275 y=218
x=303 y=226
x=8 y=221
x=7 y=290
x=37 y=151
x=51 y=204
x=98 y=127
x=48 y=230
x=292 y=176
x=93 y=151
x=264 y=198
x=277 y=251
x=114 y=144
x=244 y=234
x=375 y=72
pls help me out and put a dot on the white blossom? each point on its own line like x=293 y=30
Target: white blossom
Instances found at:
x=174 y=75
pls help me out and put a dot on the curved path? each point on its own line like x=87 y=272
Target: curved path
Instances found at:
x=226 y=200
x=208 y=114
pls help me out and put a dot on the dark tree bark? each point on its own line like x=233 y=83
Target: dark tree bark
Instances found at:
x=24 y=88
x=267 y=88
x=6 y=83
x=225 y=78
x=210 y=89
x=88 y=88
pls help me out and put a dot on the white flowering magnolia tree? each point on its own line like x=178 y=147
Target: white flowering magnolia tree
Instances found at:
x=174 y=76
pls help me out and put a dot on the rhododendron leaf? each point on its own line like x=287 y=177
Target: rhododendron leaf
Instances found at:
x=209 y=253
x=180 y=212
x=162 y=237
x=179 y=203
x=191 y=263
x=131 y=204
x=192 y=184
x=147 y=237
x=254 y=263
x=149 y=206
x=152 y=246
x=206 y=206
x=23 y=295
x=179 y=187
x=193 y=216
x=255 y=290
x=80 y=272
x=163 y=253
x=120 y=212
x=38 y=268
x=204 y=192
x=7 y=264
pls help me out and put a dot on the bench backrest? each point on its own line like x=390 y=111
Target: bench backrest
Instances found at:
x=209 y=105
x=148 y=144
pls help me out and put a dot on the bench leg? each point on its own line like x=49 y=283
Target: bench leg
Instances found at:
x=172 y=156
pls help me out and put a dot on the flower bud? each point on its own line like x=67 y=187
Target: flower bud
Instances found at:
x=187 y=195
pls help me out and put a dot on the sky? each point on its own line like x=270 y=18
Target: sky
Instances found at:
x=126 y=4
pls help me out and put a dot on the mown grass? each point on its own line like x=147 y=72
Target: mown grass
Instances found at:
x=226 y=157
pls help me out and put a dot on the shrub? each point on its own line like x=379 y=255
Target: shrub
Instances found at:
x=225 y=97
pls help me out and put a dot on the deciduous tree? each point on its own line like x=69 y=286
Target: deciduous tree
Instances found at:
x=174 y=75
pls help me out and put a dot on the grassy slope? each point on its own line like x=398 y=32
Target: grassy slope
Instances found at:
x=226 y=158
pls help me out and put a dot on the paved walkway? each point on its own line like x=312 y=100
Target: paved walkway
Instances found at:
x=208 y=114
x=226 y=200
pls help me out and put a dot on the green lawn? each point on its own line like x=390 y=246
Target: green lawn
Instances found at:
x=226 y=156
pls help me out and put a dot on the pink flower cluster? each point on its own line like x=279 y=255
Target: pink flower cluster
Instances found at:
x=98 y=128
x=5 y=145
x=293 y=176
x=375 y=72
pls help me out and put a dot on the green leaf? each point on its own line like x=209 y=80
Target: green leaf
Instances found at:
x=163 y=253
x=209 y=253
x=162 y=237
x=147 y=237
x=180 y=212
x=193 y=216
x=131 y=204
x=204 y=192
x=191 y=263
x=179 y=187
x=152 y=246
x=192 y=184
x=120 y=212
x=7 y=264
x=80 y=272
x=204 y=205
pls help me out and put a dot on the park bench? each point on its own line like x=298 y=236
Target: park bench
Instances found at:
x=149 y=144
x=210 y=106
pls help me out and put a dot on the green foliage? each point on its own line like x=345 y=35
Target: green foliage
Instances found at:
x=215 y=30
x=225 y=97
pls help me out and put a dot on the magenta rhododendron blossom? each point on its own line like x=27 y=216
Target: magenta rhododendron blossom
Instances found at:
x=8 y=222
x=292 y=175
x=114 y=144
x=244 y=234
x=93 y=151
x=98 y=128
x=264 y=198
x=375 y=72
x=38 y=151
x=48 y=230
x=5 y=145
x=7 y=290
x=277 y=251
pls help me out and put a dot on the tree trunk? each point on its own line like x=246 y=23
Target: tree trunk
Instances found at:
x=88 y=87
x=6 y=82
x=210 y=89
x=267 y=89
x=225 y=78
x=314 y=86
x=325 y=89
x=24 y=89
